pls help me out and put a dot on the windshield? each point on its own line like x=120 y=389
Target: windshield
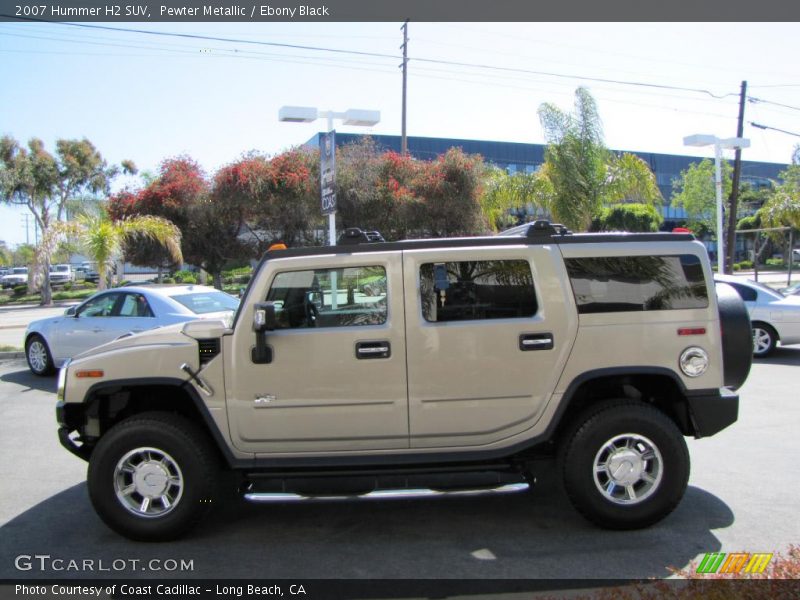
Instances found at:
x=202 y=303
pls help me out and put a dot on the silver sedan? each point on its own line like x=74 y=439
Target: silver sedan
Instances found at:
x=107 y=315
x=774 y=317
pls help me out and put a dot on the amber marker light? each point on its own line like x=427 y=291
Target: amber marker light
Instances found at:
x=91 y=373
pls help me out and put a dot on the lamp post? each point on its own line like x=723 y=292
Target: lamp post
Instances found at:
x=352 y=116
x=701 y=140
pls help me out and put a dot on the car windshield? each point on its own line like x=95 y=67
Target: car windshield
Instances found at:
x=202 y=303
x=20 y=271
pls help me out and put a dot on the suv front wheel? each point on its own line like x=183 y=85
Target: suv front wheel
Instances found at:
x=152 y=476
x=625 y=465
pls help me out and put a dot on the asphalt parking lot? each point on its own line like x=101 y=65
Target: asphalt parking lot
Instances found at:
x=742 y=497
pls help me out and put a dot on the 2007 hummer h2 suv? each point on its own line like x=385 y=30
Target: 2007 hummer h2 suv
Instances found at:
x=373 y=366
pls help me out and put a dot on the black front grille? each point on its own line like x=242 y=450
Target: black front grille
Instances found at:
x=208 y=349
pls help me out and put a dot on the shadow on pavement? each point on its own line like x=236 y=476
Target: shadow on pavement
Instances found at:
x=28 y=380
x=529 y=535
x=789 y=355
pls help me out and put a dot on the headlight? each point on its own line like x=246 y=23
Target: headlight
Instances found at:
x=694 y=361
x=62 y=381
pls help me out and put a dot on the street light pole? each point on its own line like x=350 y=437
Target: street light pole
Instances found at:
x=712 y=140
x=720 y=221
x=352 y=116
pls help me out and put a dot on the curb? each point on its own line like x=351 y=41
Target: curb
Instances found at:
x=12 y=354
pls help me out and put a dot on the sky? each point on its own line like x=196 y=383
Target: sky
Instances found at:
x=149 y=97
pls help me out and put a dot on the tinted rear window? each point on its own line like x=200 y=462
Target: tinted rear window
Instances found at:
x=474 y=290
x=637 y=283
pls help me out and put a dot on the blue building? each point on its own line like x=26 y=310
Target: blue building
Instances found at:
x=516 y=157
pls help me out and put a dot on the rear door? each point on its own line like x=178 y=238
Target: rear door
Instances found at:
x=486 y=342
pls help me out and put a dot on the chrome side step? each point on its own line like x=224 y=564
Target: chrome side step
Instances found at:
x=400 y=494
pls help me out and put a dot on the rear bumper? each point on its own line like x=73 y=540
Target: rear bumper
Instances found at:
x=712 y=411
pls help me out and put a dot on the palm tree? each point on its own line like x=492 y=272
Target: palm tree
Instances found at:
x=102 y=239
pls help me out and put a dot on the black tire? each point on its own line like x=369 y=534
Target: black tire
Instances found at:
x=765 y=338
x=37 y=353
x=587 y=443
x=190 y=460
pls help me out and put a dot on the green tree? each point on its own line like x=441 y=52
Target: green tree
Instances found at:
x=447 y=190
x=23 y=255
x=6 y=256
x=695 y=192
x=501 y=192
x=783 y=207
x=628 y=217
x=585 y=175
x=102 y=239
x=45 y=183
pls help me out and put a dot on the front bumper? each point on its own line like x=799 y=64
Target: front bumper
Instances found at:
x=711 y=411
x=70 y=417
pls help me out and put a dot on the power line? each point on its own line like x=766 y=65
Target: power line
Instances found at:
x=378 y=55
x=759 y=126
x=760 y=100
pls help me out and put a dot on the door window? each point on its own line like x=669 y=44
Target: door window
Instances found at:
x=101 y=306
x=479 y=289
x=135 y=305
x=329 y=297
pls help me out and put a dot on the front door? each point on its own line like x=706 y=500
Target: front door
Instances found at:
x=337 y=376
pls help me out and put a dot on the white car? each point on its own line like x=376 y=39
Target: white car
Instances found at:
x=61 y=274
x=17 y=276
x=109 y=314
x=774 y=317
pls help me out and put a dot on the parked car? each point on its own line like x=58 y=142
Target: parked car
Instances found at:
x=774 y=317
x=61 y=274
x=17 y=276
x=109 y=314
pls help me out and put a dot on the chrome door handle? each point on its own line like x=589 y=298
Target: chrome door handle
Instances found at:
x=536 y=341
x=366 y=350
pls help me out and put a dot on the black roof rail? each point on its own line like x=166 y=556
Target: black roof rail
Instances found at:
x=354 y=235
x=544 y=228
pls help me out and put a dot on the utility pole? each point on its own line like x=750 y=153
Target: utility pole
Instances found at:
x=730 y=244
x=403 y=137
x=27 y=229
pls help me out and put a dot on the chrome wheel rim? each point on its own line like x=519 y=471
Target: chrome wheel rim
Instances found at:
x=761 y=340
x=37 y=355
x=628 y=469
x=148 y=482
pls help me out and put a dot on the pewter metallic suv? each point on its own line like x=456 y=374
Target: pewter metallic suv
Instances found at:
x=372 y=368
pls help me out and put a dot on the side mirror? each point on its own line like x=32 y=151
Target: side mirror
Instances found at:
x=263 y=321
x=264 y=317
x=70 y=312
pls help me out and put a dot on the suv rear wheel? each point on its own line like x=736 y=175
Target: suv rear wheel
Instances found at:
x=152 y=476
x=625 y=465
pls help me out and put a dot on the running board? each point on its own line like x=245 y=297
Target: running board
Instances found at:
x=385 y=494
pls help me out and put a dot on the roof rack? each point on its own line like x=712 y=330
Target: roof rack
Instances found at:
x=544 y=228
x=354 y=235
